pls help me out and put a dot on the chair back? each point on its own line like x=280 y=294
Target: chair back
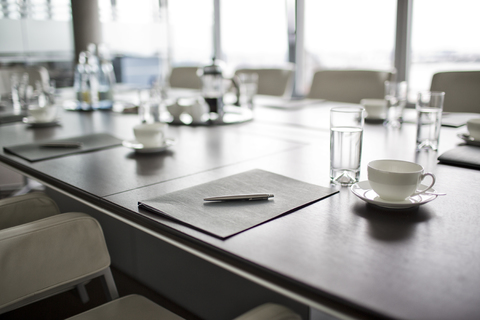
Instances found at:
x=185 y=77
x=51 y=255
x=462 y=90
x=272 y=81
x=348 y=85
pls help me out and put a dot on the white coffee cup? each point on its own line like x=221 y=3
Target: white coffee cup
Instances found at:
x=198 y=110
x=151 y=134
x=473 y=126
x=375 y=108
x=175 y=110
x=396 y=180
x=43 y=114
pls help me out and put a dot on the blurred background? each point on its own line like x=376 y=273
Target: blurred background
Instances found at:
x=145 y=36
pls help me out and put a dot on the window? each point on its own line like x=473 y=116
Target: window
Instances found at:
x=35 y=29
x=132 y=27
x=254 y=32
x=191 y=31
x=349 y=34
x=445 y=37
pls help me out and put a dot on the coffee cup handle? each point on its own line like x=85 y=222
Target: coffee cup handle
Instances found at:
x=429 y=187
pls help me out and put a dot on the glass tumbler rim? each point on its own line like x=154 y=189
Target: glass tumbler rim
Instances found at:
x=431 y=93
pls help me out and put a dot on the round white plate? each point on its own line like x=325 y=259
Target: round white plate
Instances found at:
x=468 y=139
x=36 y=124
x=138 y=147
x=363 y=190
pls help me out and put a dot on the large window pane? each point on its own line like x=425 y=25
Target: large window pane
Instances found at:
x=254 y=32
x=349 y=34
x=191 y=30
x=132 y=27
x=445 y=36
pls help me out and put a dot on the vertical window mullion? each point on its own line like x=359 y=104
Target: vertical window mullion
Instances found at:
x=403 y=39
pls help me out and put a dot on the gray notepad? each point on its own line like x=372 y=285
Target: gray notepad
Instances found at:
x=35 y=152
x=225 y=219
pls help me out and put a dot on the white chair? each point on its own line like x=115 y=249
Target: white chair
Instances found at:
x=462 y=90
x=348 y=85
x=185 y=77
x=272 y=81
x=10 y=181
x=43 y=253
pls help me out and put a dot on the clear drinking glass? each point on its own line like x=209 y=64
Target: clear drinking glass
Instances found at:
x=346 y=136
x=429 y=119
x=396 y=97
x=248 y=88
x=20 y=91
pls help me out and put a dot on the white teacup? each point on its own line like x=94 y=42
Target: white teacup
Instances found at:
x=43 y=114
x=396 y=180
x=473 y=126
x=151 y=134
x=375 y=108
x=175 y=110
x=198 y=110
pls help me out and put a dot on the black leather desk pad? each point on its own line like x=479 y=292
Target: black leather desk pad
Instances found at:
x=34 y=152
x=464 y=156
x=225 y=219
x=449 y=119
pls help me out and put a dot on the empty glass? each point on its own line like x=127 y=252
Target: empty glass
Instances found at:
x=396 y=98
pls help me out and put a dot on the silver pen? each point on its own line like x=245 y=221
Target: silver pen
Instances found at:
x=236 y=197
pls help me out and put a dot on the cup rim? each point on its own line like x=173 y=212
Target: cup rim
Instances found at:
x=431 y=93
x=150 y=126
x=348 y=109
x=474 y=121
x=373 y=162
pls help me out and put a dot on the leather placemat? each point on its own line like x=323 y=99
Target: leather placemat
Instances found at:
x=464 y=156
x=35 y=152
x=225 y=219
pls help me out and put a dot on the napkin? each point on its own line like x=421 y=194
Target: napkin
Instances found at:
x=35 y=152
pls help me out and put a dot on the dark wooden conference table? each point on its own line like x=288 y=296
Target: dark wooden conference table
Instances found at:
x=339 y=255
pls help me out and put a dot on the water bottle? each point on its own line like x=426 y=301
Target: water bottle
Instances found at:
x=106 y=79
x=86 y=82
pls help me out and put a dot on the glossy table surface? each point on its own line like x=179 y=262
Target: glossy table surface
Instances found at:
x=341 y=253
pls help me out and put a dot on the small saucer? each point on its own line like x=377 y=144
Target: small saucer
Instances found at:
x=138 y=147
x=40 y=124
x=363 y=190
x=468 y=139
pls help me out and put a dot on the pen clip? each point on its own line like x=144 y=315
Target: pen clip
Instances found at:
x=240 y=197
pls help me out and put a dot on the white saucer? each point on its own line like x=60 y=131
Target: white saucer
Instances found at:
x=363 y=190
x=39 y=124
x=468 y=139
x=138 y=147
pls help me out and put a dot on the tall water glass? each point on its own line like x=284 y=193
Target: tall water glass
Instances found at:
x=396 y=98
x=248 y=88
x=429 y=119
x=346 y=136
x=20 y=91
